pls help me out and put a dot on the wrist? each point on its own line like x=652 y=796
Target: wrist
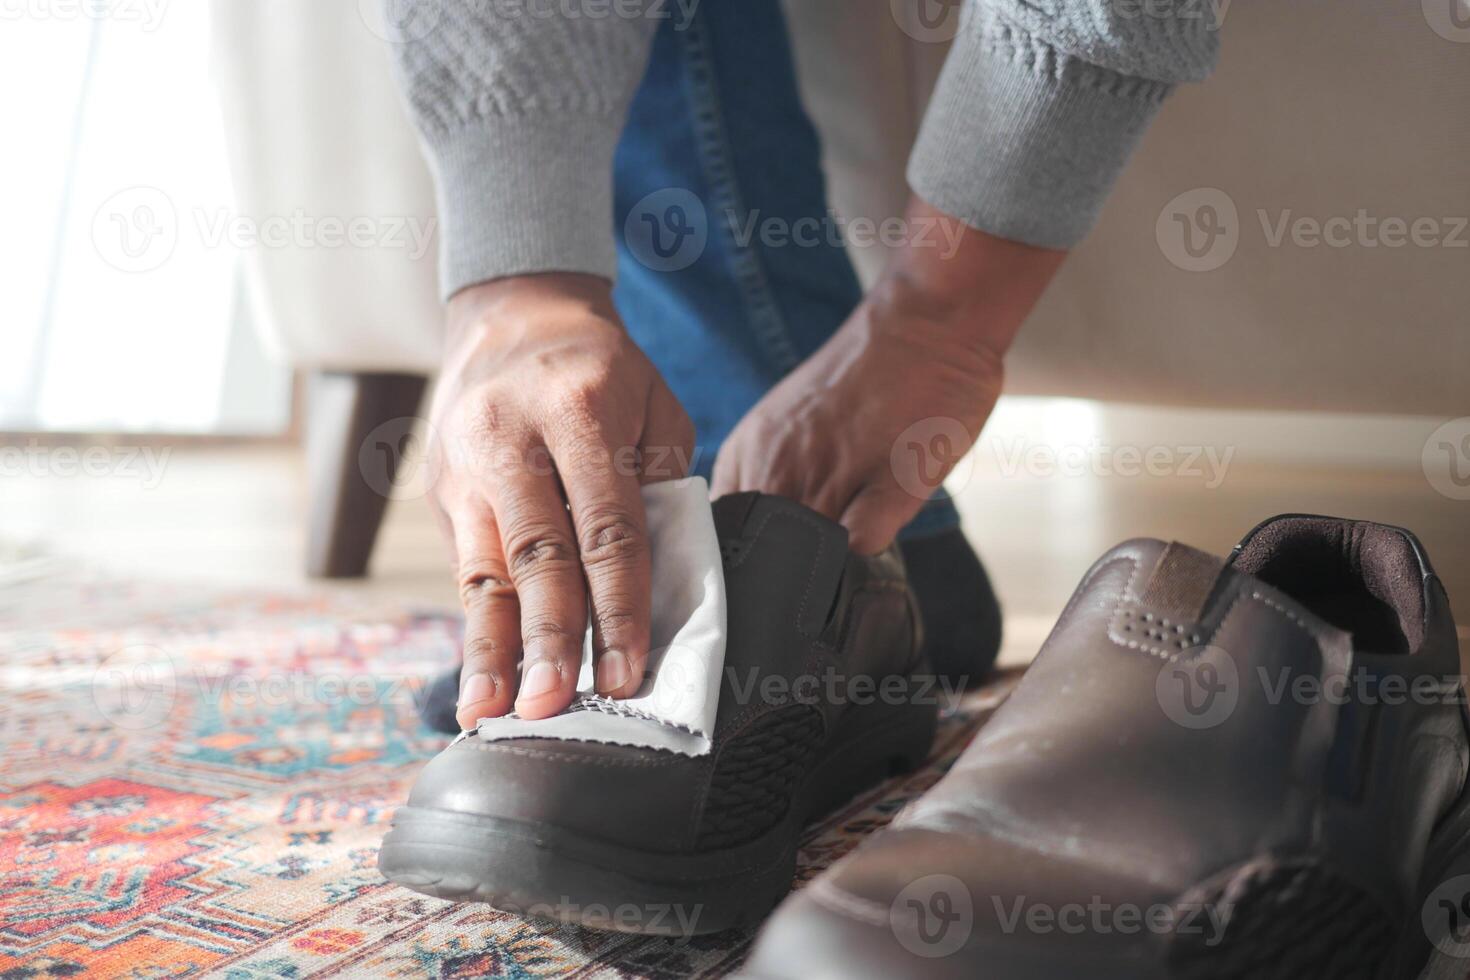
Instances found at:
x=977 y=288
x=512 y=302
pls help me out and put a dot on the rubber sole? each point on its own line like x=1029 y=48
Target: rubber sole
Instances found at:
x=548 y=873
x=1286 y=920
x=1300 y=918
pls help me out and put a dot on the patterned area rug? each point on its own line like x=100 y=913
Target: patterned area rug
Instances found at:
x=197 y=782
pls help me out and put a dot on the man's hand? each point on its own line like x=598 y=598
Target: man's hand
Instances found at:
x=919 y=361
x=544 y=413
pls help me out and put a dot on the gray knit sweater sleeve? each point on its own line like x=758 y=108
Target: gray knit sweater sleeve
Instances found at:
x=1041 y=102
x=520 y=108
x=1039 y=106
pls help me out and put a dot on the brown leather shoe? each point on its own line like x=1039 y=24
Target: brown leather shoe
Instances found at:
x=1243 y=768
x=642 y=840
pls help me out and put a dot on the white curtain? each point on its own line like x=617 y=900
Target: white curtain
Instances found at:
x=120 y=300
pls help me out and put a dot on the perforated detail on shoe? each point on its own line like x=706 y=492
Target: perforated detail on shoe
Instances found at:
x=756 y=775
x=731 y=550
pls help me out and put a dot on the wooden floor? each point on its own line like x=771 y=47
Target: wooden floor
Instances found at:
x=235 y=515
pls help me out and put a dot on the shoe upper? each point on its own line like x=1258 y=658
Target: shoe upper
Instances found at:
x=1187 y=716
x=801 y=606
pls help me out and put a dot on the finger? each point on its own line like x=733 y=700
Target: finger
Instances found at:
x=725 y=479
x=541 y=558
x=875 y=516
x=612 y=544
x=492 y=626
x=667 y=450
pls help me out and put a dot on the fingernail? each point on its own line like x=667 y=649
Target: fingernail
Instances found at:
x=477 y=688
x=541 y=678
x=613 y=671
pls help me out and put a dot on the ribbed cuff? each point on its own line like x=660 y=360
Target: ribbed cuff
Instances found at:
x=1024 y=143
x=523 y=196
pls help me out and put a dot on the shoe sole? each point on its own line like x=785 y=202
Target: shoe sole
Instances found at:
x=1301 y=918
x=549 y=873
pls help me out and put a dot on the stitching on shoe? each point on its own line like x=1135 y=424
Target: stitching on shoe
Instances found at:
x=811 y=575
x=1128 y=600
x=602 y=704
x=507 y=746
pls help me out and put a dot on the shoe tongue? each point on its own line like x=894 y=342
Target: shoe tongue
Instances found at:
x=1180 y=585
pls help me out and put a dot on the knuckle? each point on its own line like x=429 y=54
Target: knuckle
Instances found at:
x=484 y=578
x=582 y=398
x=486 y=652
x=538 y=550
x=540 y=629
x=611 y=537
x=615 y=620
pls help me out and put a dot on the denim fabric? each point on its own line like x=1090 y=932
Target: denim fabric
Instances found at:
x=717 y=149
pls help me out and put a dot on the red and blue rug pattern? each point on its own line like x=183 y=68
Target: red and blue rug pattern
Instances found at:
x=196 y=782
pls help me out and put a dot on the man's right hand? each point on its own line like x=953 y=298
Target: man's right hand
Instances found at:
x=549 y=417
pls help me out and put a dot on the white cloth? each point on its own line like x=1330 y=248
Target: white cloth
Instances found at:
x=675 y=708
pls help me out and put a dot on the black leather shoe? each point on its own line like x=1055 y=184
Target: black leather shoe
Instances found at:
x=1244 y=768
x=958 y=607
x=642 y=840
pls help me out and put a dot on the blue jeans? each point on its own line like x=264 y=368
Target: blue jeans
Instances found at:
x=717 y=148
